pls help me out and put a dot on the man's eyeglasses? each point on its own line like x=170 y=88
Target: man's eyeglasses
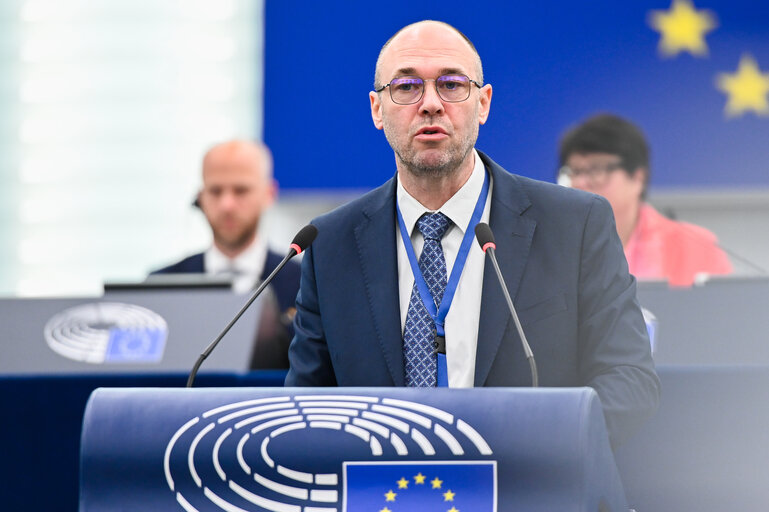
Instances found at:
x=596 y=176
x=406 y=90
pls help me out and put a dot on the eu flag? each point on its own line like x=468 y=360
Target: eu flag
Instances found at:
x=134 y=345
x=693 y=74
x=420 y=486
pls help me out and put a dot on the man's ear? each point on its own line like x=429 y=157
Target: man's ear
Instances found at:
x=376 y=109
x=485 y=99
x=271 y=193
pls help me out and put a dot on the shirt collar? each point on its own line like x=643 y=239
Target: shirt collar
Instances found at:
x=249 y=262
x=459 y=208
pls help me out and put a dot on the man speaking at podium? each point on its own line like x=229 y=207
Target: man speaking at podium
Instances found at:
x=361 y=319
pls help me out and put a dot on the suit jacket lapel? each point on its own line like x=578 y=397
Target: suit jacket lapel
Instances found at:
x=375 y=239
x=513 y=233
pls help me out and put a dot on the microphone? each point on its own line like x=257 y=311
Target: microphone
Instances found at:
x=301 y=241
x=486 y=240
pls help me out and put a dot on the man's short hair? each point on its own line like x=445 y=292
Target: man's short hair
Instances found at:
x=611 y=134
x=377 y=78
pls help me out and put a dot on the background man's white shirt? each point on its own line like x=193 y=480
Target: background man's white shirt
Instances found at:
x=245 y=269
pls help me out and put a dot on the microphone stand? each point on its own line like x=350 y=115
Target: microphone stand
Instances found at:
x=292 y=252
x=486 y=240
x=524 y=341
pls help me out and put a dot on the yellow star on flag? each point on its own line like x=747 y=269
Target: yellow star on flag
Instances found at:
x=419 y=479
x=448 y=495
x=436 y=483
x=747 y=88
x=403 y=483
x=390 y=495
x=453 y=509
x=385 y=510
x=683 y=28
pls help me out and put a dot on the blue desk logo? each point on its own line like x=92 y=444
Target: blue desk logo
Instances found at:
x=135 y=345
x=108 y=332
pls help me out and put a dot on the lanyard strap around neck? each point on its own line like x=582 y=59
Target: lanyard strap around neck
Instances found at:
x=438 y=313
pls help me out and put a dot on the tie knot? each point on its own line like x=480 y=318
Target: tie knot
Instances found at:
x=230 y=271
x=433 y=225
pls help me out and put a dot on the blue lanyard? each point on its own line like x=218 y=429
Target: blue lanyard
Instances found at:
x=438 y=314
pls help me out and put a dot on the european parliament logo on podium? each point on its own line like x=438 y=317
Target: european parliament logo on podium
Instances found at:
x=347 y=450
x=324 y=453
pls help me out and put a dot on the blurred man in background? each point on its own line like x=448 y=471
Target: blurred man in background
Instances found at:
x=609 y=156
x=238 y=187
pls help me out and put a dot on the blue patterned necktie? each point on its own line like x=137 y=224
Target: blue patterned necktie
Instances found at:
x=419 y=333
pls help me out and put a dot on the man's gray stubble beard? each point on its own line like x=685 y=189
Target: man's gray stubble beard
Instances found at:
x=447 y=168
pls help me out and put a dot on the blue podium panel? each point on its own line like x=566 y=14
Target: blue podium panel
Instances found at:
x=347 y=449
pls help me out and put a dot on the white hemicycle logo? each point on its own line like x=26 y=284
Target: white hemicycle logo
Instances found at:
x=257 y=434
x=107 y=332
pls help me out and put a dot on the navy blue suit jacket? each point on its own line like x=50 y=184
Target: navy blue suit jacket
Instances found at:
x=285 y=284
x=564 y=265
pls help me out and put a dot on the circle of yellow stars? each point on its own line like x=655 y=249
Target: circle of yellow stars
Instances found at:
x=420 y=479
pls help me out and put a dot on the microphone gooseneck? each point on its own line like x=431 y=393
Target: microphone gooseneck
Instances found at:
x=485 y=239
x=301 y=241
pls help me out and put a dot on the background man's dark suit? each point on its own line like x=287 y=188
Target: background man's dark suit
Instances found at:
x=562 y=260
x=285 y=284
x=275 y=325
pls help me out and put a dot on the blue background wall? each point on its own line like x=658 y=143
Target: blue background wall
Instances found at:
x=550 y=63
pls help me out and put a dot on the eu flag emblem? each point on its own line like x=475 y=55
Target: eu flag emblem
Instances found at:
x=134 y=345
x=420 y=486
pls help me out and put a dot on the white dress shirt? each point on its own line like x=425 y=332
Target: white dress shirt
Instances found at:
x=462 y=319
x=245 y=269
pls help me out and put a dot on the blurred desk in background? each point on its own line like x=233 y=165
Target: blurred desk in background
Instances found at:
x=707 y=448
x=724 y=321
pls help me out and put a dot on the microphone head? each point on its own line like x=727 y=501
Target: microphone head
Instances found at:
x=304 y=238
x=484 y=236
